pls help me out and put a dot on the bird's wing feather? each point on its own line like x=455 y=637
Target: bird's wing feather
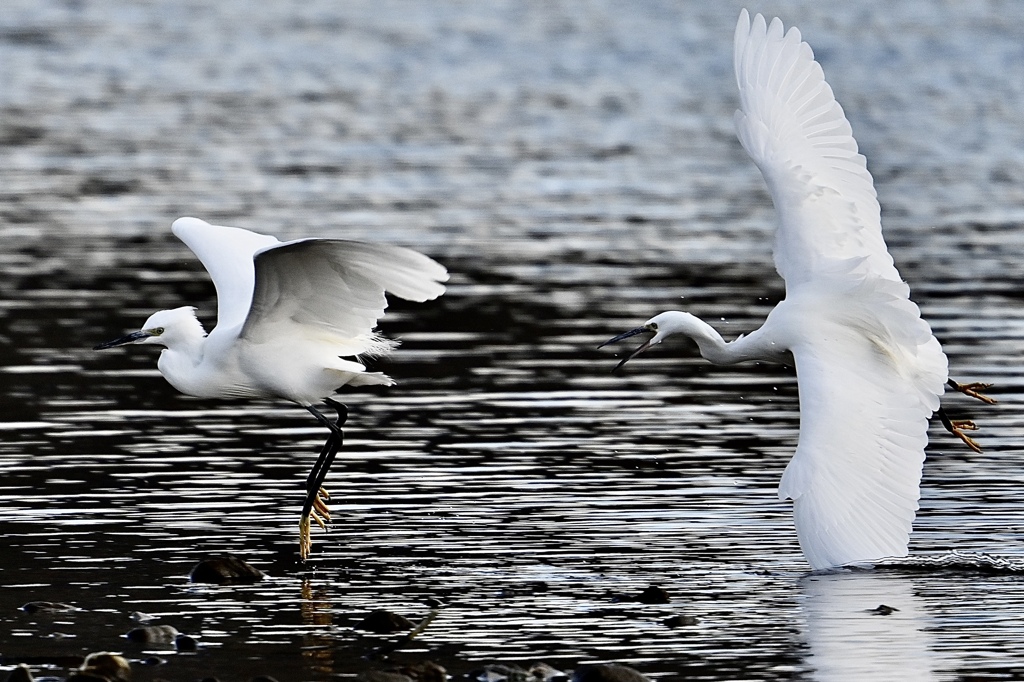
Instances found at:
x=337 y=288
x=869 y=380
x=227 y=254
x=794 y=130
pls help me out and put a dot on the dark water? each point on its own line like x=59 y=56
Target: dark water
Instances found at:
x=573 y=165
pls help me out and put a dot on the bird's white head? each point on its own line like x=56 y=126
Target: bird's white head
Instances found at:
x=662 y=326
x=166 y=328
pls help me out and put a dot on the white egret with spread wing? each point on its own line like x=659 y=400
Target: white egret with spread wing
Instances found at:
x=869 y=370
x=293 y=319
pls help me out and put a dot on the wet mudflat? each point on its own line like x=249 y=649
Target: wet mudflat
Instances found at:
x=574 y=166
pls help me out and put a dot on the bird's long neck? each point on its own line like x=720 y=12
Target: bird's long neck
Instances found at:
x=711 y=344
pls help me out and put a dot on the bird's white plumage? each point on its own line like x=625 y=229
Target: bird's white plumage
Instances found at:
x=869 y=370
x=290 y=314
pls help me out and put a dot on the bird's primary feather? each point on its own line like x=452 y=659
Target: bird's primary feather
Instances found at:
x=227 y=254
x=333 y=285
x=335 y=288
x=794 y=130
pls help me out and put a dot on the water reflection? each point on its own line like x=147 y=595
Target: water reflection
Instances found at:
x=317 y=617
x=852 y=638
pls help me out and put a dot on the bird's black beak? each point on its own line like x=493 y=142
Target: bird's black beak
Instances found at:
x=625 y=335
x=131 y=338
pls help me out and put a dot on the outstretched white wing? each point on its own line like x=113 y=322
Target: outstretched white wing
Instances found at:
x=870 y=374
x=226 y=253
x=336 y=288
x=792 y=127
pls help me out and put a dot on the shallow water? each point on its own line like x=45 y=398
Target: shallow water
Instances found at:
x=573 y=165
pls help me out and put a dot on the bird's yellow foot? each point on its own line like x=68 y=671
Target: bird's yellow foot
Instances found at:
x=973 y=390
x=319 y=513
x=305 y=540
x=957 y=428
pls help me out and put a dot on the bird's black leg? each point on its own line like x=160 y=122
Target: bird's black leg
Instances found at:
x=957 y=428
x=331 y=446
x=342 y=416
x=315 y=505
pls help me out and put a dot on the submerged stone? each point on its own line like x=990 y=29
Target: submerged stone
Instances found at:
x=185 y=643
x=383 y=676
x=427 y=671
x=225 y=569
x=545 y=673
x=20 y=674
x=496 y=672
x=883 y=610
x=102 y=666
x=152 y=634
x=47 y=606
x=608 y=672
x=654 y=595
x=383 y=622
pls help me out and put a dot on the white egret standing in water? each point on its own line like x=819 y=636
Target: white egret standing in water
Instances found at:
x=293 y=318
x=869 y=370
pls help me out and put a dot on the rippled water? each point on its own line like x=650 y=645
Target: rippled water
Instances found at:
x=573 y=165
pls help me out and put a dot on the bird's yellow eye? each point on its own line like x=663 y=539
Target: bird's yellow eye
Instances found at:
x=156 y=331
x=653 y=326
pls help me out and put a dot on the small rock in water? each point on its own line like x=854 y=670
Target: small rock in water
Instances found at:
x=383 y=676
x=883 y=610
x=152 y=634
x=20 y=674
x=140 y=617
x=47 y=606
x=427 y=671
x=103 y=667
x=496 y=672
x=88 y=676
x=185 y=643
x=653 y=595
x=545 y=673
x=488 y=674
x=152 y=660
x=679 y=621
x=383 y=622
x=226 y=569
x=608 y=672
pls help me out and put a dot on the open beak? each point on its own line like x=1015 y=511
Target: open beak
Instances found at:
x=625 y=335
x=134 y=337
